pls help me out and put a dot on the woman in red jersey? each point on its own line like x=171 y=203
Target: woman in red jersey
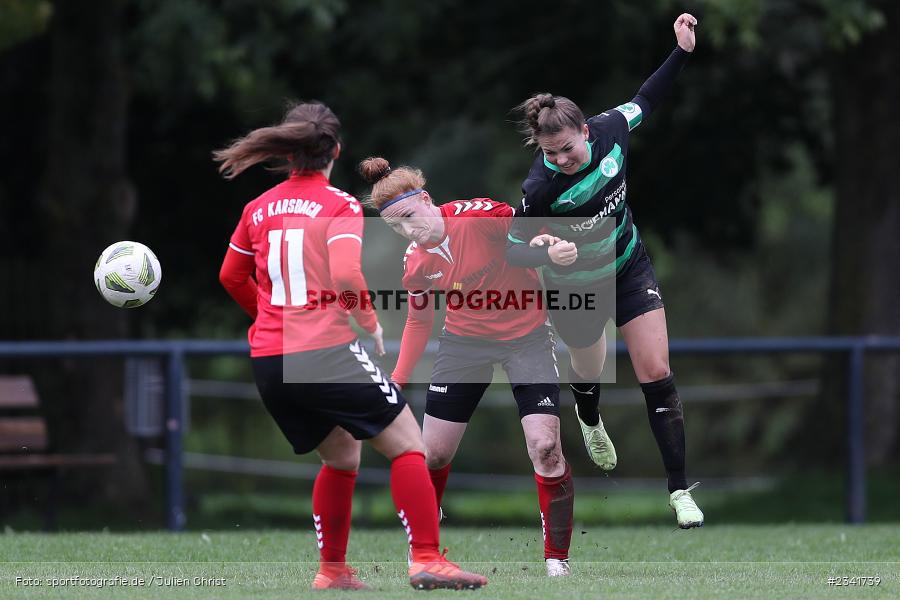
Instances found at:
x=458 y=249
x=302 y=239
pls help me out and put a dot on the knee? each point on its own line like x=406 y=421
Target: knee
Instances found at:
x=588 y=372
x=348 y=462
x=345 y=459
x=437 y=458
x=655 y=371
x=545 y=453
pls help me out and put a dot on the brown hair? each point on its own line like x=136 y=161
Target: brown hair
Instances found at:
x=548 y=114
x=305 y=140
x=386 y=182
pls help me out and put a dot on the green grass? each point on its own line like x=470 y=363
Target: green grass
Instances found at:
x=737 y=561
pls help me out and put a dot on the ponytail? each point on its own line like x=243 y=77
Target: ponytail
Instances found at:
x=304 y=141
x=546 y=114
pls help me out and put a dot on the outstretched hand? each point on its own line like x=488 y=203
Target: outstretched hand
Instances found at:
x=684 y=31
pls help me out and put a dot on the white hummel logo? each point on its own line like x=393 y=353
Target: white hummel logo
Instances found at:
x=546 y=402
x=663 y=409
x=654 y=293
x=320 y=536
x=440 y=389
x=384 y=384
x=474 y=205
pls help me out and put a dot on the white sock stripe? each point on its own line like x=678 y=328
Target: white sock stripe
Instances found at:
x=405 y=522
x=587 y=393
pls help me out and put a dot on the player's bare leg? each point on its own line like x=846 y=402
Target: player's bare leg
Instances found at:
x=648 y=345
x=556 y=491
x=584 y=375
x=442 y=439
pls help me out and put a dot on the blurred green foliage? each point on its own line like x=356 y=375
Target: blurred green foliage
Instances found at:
x=731 y=180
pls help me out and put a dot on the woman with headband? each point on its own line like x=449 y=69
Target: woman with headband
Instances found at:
x=494 y=316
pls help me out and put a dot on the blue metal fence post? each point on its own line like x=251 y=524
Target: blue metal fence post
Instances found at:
x=856 y=451
x=175 y=516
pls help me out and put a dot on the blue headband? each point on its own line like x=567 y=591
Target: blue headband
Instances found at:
x=399 y=198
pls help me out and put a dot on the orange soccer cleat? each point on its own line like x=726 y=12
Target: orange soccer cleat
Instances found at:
x=440 y=573
x=343 y=578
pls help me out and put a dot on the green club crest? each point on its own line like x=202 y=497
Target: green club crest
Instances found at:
x=609 y=167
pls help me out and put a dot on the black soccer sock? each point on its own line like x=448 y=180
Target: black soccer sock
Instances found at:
x=667 y=422
x=587 y=397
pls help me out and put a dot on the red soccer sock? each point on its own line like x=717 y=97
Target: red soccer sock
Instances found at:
x=416 y=505
x=439 y=481
x=332 y=504
x=556 y=496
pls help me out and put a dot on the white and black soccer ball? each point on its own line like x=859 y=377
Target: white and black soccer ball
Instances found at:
x=127 y=274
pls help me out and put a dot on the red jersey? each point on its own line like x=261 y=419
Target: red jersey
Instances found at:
x=469 y=266
x=288 y=230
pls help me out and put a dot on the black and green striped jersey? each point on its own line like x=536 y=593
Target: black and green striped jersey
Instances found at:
x=574 y=207
x=589 y=207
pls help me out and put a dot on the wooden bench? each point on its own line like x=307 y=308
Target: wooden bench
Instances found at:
x=24 y=446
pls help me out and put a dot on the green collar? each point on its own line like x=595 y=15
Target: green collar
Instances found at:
x=590 y=150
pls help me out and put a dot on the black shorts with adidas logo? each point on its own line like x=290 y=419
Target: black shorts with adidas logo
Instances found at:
x=310 y=393
x=464 y=368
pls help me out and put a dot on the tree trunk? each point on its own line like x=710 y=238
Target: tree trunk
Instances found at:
x=865 y=281
x=88 y=203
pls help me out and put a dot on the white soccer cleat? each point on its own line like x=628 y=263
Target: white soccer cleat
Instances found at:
x=558 y=568
x=597 y=443
x=686 y=510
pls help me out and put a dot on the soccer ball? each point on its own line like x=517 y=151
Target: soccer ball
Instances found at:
x=127 y=274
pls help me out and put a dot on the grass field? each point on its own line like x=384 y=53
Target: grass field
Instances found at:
x=739 y=561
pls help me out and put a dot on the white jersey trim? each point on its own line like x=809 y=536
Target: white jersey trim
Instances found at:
x=241 y=250
x=344 y=235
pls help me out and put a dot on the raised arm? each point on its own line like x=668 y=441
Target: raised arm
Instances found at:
x=660 y=83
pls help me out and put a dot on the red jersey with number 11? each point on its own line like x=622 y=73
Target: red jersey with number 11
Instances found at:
x=288 y=230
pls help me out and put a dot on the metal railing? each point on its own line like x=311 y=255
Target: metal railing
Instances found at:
x=176 y=351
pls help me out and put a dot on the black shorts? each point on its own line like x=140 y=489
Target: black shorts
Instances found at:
x=464 y=368
x=308 y=410
x=636 y=293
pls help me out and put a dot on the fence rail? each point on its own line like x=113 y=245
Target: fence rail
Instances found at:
x=176 y=351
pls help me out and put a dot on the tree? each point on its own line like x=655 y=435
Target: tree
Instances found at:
x=865 y=269
x=87 y=200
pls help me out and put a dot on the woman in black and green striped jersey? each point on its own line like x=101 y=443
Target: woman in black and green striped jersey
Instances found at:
x=574 y=223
